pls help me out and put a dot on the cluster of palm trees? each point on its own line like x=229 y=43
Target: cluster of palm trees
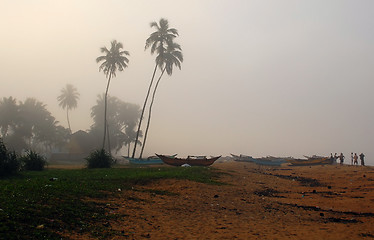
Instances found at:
x=122 y=118
x=29 y=125
x=169 y=53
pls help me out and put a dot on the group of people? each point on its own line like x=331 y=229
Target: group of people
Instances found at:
x=354 y=158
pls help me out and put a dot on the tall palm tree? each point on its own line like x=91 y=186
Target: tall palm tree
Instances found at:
x=172 y=56
x=69 y=100
x=113 y=60
x=157 y=41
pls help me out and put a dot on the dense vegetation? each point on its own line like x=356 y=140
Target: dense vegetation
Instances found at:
x=100 y=159
x=39 y=205
x=9 y=164
x=33 y=161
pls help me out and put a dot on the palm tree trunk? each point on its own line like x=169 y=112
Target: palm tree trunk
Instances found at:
x=128 y=150
x=109 y=149
x=67 y=116
x=141 y=116
x=105 y=108
x=150 y=113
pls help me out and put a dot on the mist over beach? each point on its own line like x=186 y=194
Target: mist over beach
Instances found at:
x=282 y=78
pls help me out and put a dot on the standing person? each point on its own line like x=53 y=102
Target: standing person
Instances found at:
x=341 y=158
x=351 y=158
x=333 y=160
x=355 y=157
x=362 y=156
x=336 y=157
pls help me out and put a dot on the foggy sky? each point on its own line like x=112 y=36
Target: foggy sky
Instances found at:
x=284 y=78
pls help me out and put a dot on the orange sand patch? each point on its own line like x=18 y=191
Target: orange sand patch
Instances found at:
x=318 y=202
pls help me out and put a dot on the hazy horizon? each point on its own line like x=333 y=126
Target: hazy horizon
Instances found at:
x=283 y=78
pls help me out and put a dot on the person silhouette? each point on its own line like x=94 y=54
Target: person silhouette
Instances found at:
x=355 y=157
x=362 y=157
x=351 y=158
x=341 y=157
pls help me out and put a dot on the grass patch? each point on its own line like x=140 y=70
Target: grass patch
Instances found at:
x=39 y=205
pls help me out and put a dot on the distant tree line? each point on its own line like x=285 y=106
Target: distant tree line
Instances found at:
x=29 y=125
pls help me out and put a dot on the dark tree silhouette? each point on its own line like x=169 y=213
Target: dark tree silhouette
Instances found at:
x=69 y=100
x=158 y=42
x=113 y=60
x=173 y=56
x=122 y=118
x=31 y=125
x=8 y=114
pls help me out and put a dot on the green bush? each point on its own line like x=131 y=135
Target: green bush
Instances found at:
x=100 y=159
x=33 y=161
x=9 y=164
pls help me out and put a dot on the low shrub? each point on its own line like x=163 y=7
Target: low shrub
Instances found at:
x=9 y=164
x=33 y=161
x=100 y=159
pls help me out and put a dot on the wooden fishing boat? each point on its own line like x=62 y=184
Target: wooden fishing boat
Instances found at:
x=311 y=161
x=269 y=161
x=190 y=160
x=152 y=160
x=314 y=157
x=242 y=158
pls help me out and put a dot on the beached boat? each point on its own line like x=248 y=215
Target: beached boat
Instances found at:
x=314 y=157
x=242 y=158
x=310 y=161
x=190 y=160
x=269 y=161
x=147 y=161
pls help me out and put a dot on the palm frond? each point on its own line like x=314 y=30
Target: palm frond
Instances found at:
x=104 y=50
x=164 y=23
x=173 y=31
x=101 y=58
x=153 y=24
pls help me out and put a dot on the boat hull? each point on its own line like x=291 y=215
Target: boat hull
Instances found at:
x=269 y=161
x=190 y=161
x=138 y=161
x=311 y=162
x=242 y=158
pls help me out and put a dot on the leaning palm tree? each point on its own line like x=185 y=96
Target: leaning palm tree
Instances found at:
x=173 y=56
x=113 y=60
x=69 y=100
x=157 y=41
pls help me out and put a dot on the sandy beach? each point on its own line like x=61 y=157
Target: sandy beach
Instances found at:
x=317 y=202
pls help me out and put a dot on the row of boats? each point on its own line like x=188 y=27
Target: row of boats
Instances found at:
x=277 y=161
x=173 y=160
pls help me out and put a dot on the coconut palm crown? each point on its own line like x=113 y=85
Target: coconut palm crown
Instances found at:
x=113 y=60
x=161 y=37
x=68 y=100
